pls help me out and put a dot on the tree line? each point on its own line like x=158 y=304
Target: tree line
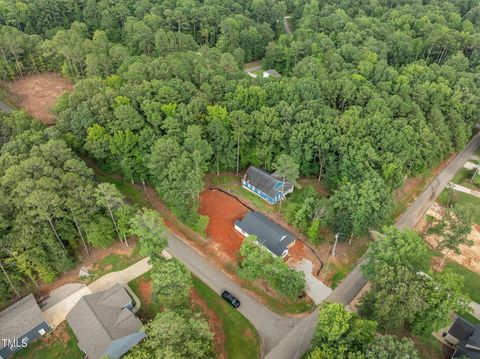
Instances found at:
x=51 y=208
x=370 y=93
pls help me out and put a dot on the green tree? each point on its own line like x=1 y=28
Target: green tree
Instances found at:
x=453 y=231
x=390 y=347
x=340 y=333
x=99 y=231
x=287 y=169
x=109 y=197
x=148 y=226
x=171 y=282
x=175 y=335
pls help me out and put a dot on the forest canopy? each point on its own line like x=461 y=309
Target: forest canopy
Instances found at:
x=371 y=92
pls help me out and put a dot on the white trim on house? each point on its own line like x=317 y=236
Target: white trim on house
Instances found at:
x=245 y=234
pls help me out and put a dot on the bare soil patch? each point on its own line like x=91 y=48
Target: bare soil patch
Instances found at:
x=469 y=257
x=215 y=324
x=222 y=211
x=38 y=93
x=145 y=289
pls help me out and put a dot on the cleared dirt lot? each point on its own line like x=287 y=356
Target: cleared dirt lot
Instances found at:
x=38 y=93
x=222 y=211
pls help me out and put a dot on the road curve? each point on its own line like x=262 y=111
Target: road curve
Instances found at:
x=270 y=326
x=297 y=342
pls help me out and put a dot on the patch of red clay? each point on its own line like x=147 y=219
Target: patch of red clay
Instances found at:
x=215 y=324
x=38 y=93
x=145 y=289
x=222 y=211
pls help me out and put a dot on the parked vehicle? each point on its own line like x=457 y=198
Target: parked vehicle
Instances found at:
x=234 y=302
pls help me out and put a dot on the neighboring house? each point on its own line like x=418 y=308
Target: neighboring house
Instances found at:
x=265 y=185
x=104 y=324
x=271 y=72
x=21 y=323
x=464 y=337
x=276 y=239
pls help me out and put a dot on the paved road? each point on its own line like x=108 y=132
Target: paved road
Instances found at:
x=270 y=326
x=4 y=107
x=297 y=342
x=410 y=217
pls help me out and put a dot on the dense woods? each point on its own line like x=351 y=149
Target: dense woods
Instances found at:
x=371 y=92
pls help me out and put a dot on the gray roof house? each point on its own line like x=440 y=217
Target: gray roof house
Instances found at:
x=21 y=323
x=276 y=239
x=266 y=186
x=104 y=324
x=464 y=337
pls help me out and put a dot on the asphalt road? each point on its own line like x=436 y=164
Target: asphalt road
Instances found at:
x=270 y=326
x=297 y=342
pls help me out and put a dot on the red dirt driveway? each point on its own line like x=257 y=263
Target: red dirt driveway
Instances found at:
x=222 y=211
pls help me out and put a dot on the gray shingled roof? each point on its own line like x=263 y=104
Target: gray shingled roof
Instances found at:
x=265 y=182
x=468 y=335
x=20 y=318
x=99 y=318
x=270 y=234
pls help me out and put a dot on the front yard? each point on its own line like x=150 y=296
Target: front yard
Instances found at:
x=235 y=336
x=147 y=197
x=61 y=343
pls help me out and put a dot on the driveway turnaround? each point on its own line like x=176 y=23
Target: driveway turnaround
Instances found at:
x=316 y=289
x=57 y=313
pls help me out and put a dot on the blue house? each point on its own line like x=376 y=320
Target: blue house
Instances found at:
x=266 y=186
x=20 y=324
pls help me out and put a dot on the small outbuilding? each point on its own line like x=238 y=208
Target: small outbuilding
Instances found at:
x=267 y=186
x=276 y=239
x=271 y=72
x=104 y=323
x=464 y=338
x=20 y=324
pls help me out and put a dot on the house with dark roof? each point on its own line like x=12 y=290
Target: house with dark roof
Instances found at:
x=269 y=187
x=104 y=323
x=276 y=239
x=20 y=324
x=464 y=338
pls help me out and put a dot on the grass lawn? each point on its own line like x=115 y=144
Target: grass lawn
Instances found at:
x=231 y=183
x=428 y=347
x=127 y=188
x=279 y=303
x=134 y=195
x=471 y=285
x=470 y=317
x=61 y=343
x=463 y=177
x=113 y=263
x=149 y=306
x=471 y=203
x=241 y=338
